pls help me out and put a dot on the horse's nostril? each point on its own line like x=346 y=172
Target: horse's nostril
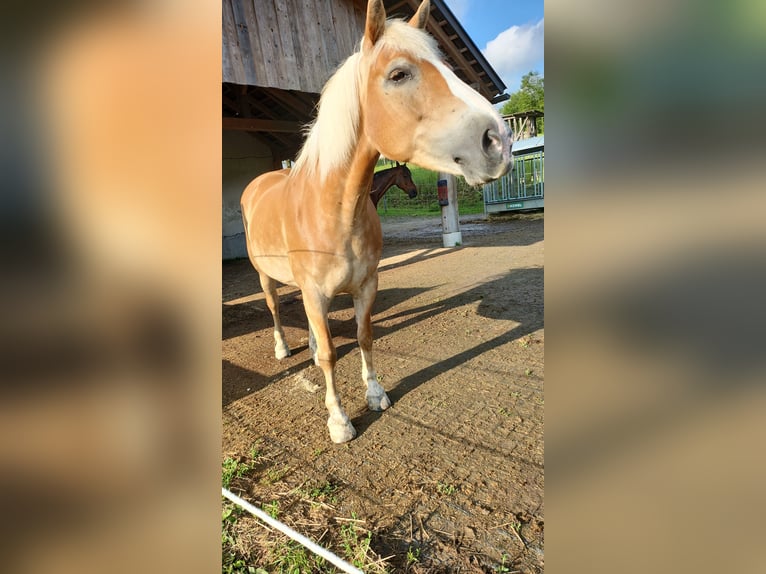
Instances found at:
x=458 y=160
x=491 y=143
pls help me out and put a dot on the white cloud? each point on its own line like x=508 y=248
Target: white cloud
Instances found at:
x=516 y=51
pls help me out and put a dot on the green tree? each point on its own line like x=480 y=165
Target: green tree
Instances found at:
x=531 y=96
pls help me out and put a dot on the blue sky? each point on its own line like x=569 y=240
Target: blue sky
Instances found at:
x=508 y=32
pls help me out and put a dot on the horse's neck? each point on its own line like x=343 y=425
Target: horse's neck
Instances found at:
x=348 y=188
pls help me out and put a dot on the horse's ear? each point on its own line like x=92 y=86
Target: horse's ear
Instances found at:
x=397 y=164
x=376 y=22
x=421 y=16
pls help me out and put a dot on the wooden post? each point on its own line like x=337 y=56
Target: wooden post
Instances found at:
x=451 y=235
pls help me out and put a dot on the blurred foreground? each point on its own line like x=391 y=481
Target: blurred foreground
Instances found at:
x=655 y=282
x=109 y=418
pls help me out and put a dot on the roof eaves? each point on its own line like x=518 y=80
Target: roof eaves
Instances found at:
x=475 y=52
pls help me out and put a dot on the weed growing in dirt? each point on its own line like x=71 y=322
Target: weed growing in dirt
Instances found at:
x=356 y=545
x=502 y=568
x=232 y=468
x=446 y=489
x=324 y=492
x=275 y=475
x=505 y=412
x=272 y=508
x=292 y=558
x=413 y=555
x=232 y=562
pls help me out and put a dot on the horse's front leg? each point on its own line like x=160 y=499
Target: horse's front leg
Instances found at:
x=269 y=286
x=341 y=429
x=376 y=396
x=313 y=346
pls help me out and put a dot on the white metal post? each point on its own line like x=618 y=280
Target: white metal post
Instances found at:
x=451 y=235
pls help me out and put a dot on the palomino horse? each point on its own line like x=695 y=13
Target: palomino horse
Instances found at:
x=314 y=226
x=399 y=176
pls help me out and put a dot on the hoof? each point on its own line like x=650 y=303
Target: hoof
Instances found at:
x=281 y=351
x=378 y=402
x=341 y=430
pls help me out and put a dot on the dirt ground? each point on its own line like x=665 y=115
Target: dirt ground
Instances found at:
x=450 y=478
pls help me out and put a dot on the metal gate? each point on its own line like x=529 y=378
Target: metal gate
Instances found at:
x=524 y=186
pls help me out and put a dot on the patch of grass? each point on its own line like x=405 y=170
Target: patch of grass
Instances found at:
x=230 y=512
x=446 y=489
x=274 y=475
x=423 y=211
x=324 y=492
x=233 y=468
x=292 y=558
x=272 y=508
x=505 y=412
x=232 y=562
x=356 y=544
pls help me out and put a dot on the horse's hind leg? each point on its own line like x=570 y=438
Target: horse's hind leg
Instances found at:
x=376 y=396
x=341 y=429
x=281 y=350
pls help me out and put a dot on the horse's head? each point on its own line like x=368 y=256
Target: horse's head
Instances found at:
x=404 y=180
x=415 y=109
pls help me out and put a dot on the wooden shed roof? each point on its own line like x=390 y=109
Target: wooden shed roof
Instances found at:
x=277 y=55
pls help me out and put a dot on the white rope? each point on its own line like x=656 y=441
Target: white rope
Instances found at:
x=310 y=544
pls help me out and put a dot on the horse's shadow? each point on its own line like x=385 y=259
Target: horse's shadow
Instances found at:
x=239 y=382
x=253 y=316
x=494 y=303
x=528 y=313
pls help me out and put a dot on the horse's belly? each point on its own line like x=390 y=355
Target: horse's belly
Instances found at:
x=263 y=210
x=275 y=266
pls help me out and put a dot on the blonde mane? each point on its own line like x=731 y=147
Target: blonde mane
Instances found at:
x=333 y=134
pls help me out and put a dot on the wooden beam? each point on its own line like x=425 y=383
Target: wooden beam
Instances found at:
x=286 y=99
x=261 y=125
x=449 y=49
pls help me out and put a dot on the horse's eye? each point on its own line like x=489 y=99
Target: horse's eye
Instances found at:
x=399 y=75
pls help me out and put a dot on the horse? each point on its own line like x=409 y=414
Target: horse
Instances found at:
x=383 y=180
x=313 y=226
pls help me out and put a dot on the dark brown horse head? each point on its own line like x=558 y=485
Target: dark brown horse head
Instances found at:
x=404 y=180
